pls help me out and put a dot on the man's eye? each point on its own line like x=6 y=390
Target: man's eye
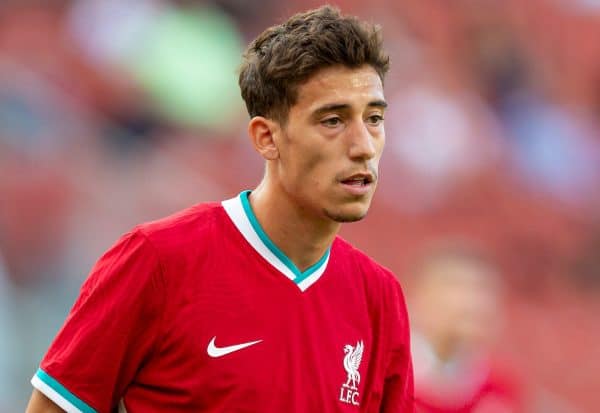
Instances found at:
x=331 y=122
x=375 y=119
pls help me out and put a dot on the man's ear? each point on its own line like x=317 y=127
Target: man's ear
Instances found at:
x=262 y=131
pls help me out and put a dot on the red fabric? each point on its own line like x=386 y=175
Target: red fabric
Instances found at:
x=141 y=326
x=480 y=388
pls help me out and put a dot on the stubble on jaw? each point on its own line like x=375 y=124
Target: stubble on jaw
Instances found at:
x=343 y=218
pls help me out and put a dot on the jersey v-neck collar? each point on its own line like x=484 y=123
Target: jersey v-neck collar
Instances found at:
x=240 y=212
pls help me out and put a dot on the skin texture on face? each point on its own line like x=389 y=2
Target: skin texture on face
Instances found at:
x=322 y=162
x=330 y=146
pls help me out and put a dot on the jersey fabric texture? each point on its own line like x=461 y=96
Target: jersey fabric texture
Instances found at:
x=202 y=312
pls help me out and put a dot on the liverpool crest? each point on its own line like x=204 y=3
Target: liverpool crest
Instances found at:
x=349 y=390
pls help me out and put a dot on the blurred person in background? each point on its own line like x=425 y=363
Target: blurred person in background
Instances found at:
x=255 y=304
x=456 y=314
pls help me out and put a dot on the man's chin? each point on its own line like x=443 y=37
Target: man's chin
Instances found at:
x=344 y=217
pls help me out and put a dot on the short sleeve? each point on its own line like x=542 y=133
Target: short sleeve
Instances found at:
x=398 y=392
x=110 y=331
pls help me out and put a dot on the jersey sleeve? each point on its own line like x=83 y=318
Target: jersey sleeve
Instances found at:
x=398 y=391
x=110 y=331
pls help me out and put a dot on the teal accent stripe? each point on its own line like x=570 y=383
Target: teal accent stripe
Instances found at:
x=300 y=276
x=62 y=390
x=313 y=268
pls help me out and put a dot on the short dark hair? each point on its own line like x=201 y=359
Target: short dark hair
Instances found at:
x=286 y=55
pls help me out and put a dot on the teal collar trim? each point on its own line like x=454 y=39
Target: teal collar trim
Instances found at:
x=241 y=213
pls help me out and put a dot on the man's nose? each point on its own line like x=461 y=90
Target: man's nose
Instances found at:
x=362 y=142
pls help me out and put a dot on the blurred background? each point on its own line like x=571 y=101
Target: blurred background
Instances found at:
x=113 y=113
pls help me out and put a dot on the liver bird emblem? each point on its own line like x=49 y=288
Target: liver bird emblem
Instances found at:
x=351 y=364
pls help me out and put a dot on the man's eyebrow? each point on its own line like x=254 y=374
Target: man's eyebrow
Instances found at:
x=344 y=106
x=331 y=107
x=378 y=104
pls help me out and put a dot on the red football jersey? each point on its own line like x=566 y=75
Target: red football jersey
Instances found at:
x=201 y=312
x=469 y=385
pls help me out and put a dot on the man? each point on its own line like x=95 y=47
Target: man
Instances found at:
x=254 y=304
x=457 y=312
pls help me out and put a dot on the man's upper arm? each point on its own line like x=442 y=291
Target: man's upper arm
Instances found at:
x=41 y=404
x=111 y=328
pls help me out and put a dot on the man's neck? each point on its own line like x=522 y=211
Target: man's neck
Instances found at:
x=302 y=236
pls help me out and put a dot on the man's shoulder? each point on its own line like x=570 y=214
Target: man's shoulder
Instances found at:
x=191 y=224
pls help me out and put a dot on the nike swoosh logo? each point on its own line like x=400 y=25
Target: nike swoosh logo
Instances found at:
x=215 y=351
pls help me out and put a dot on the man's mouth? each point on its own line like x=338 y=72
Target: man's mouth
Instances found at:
x=359 y=180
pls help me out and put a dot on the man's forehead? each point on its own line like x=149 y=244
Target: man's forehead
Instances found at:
x=341 y=85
